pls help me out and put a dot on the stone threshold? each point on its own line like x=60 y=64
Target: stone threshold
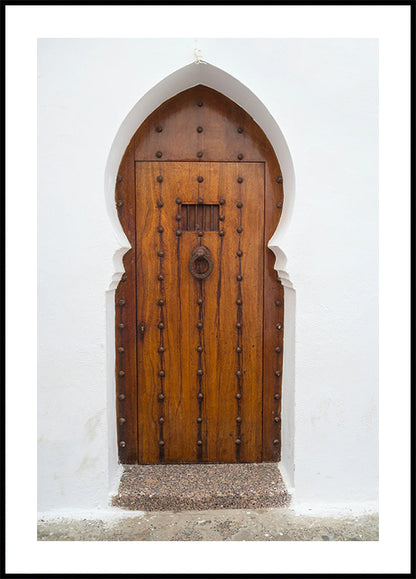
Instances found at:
x=183 y=487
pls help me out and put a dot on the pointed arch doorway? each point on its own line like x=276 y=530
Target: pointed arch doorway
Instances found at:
x=199 y=309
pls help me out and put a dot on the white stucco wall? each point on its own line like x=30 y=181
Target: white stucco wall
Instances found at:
x=323 y=97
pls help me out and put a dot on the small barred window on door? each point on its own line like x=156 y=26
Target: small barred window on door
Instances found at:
x=199 y=217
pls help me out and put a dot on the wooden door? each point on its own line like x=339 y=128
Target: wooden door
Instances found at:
x=200 y=352
x=199 y=309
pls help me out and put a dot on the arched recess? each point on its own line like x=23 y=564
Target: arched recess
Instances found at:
x=211 y=76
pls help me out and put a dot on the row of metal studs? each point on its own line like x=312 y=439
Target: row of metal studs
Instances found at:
x=121 y=372
x=278 y=375
x=200 y=372
x=120 y=348
x=199 y=154
x=239 y=326
x=200 y=347
x=278 y=350
x=200 y=395
x=161 y=325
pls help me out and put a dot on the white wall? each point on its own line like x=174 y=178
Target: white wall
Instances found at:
x=322 y=95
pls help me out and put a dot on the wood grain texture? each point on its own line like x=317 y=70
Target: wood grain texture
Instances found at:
x=125 y=319
x=229 y=136
x=180 y=314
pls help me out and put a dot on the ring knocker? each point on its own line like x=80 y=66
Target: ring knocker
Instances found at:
x=200 y=264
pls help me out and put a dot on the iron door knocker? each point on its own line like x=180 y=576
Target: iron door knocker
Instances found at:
x=200 y=264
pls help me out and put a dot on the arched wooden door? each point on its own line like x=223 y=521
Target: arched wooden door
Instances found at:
x=199 y=310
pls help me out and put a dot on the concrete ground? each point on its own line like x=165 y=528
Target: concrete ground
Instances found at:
x=272 y=524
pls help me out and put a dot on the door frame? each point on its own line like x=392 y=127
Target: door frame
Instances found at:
x=125 y=301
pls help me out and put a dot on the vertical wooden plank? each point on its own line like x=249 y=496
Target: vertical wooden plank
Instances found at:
x=273 y=315
x=252 y=212
x=149 y=290
x=219 y=347
x=181 y=332
x=125 y=319
x=222 y=405
x=227 y=318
